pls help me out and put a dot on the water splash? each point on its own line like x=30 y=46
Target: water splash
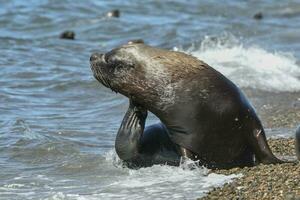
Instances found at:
x=249 y=67
x=188 y=181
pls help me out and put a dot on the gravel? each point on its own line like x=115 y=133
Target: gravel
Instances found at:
x=281 y=181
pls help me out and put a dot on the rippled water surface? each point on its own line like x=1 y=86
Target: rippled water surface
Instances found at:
x=58 y=124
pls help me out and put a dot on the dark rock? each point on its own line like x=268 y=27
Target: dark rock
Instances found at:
x=68 y=35
x=258 y=16
x=137 y=41
x=113 y=13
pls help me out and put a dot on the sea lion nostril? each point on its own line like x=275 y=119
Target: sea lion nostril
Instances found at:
x=95 y=56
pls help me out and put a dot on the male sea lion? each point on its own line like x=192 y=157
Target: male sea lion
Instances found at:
x=204 y=116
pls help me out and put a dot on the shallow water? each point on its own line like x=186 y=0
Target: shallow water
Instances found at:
x=58 y=124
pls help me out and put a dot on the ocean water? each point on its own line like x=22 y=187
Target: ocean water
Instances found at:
x=58 y=124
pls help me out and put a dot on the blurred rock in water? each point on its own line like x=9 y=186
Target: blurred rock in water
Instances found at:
x=258 y=16
x=70 y=35
x=113 y=13
x=139 y=41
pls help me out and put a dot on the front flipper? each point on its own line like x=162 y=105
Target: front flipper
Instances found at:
x=130 y=132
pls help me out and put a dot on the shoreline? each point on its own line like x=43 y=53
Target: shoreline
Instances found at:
x=280 y=181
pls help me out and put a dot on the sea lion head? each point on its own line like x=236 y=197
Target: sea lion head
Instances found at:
x=150 y=76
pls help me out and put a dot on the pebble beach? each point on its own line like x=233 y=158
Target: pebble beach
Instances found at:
x=263 y=181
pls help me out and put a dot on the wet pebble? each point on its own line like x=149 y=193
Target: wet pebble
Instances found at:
x=70 y=35
x=136 y=41
x=258 y=16
x=113 y=13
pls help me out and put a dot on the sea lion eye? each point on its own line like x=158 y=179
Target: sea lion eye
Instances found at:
x=116 y=64
x=130 y=65
x=106 y=58
x=119 y=64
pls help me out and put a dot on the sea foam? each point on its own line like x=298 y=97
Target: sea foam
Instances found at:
x=161 y=182
x=249 y=66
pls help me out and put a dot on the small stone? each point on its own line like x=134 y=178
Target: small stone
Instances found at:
x=137 y=41
x=70 y=35
x=113 y=13
x=258 y=16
